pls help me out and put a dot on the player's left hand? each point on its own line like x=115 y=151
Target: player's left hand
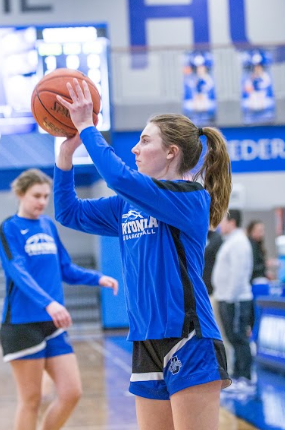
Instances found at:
x=107 y=281
x=69 y=146
x=67 y=149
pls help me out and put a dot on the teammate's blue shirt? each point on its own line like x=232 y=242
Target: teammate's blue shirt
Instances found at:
x=35 y=263
x=162 y=227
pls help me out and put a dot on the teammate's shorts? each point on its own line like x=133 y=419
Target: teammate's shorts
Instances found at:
x=33 y=340
x=163 y=367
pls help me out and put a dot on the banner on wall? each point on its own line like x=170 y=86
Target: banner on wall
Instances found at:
x=257 y=96
x=253 y=149
x=199 y=98
x=256 y=149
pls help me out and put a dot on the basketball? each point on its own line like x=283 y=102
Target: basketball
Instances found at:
x=52 y=116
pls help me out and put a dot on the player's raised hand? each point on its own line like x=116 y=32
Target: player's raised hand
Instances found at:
x=81 y=110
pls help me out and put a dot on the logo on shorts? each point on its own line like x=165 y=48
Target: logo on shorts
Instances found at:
x=175 y=365
x=66 y=339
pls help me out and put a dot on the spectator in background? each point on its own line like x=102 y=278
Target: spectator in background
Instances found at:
x=214 y=241
x=232 y=289
x=259 y=278
x=255 y=232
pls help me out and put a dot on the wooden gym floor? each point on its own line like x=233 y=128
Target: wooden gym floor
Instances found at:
x=106 y=404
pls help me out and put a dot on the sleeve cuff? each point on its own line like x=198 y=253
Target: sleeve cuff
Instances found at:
x=66 y=173
x=86 y=131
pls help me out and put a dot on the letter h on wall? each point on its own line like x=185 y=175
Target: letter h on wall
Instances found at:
x=197 y=10
x=139 y=13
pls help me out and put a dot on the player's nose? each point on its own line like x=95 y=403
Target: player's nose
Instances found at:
x=135 y=149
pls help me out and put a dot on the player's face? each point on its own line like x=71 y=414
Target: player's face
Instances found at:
x=151 y=154
x=34 y=202
x=226 y=226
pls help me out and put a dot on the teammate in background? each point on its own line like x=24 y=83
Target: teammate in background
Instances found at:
x=33 y=335
x=179 y=362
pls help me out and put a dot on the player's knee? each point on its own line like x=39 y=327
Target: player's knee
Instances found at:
x=72 y=395
x=77 y=393
x=31 y=401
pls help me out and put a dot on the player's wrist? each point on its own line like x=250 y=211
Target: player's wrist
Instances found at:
x=64 y=161
x=84 y=125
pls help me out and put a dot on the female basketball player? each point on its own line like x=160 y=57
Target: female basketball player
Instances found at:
x=33 y=335
x=179 y=363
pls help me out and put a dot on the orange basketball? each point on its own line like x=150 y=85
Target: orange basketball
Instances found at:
x=48 y=112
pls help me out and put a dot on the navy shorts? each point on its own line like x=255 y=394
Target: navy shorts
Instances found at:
x=33 y=340
x=163 y=367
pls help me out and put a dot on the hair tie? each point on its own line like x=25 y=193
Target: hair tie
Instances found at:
x=200 y=131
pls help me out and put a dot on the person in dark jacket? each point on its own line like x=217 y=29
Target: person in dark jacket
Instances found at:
x=255 y=232
x=214 y=241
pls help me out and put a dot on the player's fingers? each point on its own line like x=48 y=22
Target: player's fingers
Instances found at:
x=63 y=102
x=66 y=322
x=78 y=90
x=86 y=90
x=72 y=93
x=112 y=283
x=64 y=319
x=61 y=318
x=56 y=322
x=115 y=287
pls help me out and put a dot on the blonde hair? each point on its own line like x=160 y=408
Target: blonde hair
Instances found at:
x=179 y=130
x=27 y=179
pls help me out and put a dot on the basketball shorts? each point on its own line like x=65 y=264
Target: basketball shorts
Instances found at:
x=163 y=367
x=33 y=340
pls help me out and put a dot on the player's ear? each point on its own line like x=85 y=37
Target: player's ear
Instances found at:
x=173 y=151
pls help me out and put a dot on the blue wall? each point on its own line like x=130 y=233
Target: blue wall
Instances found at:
x=114 y=314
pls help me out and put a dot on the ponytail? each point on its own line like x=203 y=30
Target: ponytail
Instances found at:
x=216 y=173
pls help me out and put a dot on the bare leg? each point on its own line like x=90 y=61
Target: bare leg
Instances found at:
x=197 y=407
x=154 y=414
x=63 y=370
x=47 y=388
x=28 y=377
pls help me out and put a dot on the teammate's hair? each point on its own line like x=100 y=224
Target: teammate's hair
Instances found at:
x=27 y=179
x=251 y=225
x=249 y=230
x=215 y=172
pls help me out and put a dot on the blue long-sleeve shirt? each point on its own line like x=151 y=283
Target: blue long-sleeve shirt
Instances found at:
x=162 y=227
x=35 y=263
